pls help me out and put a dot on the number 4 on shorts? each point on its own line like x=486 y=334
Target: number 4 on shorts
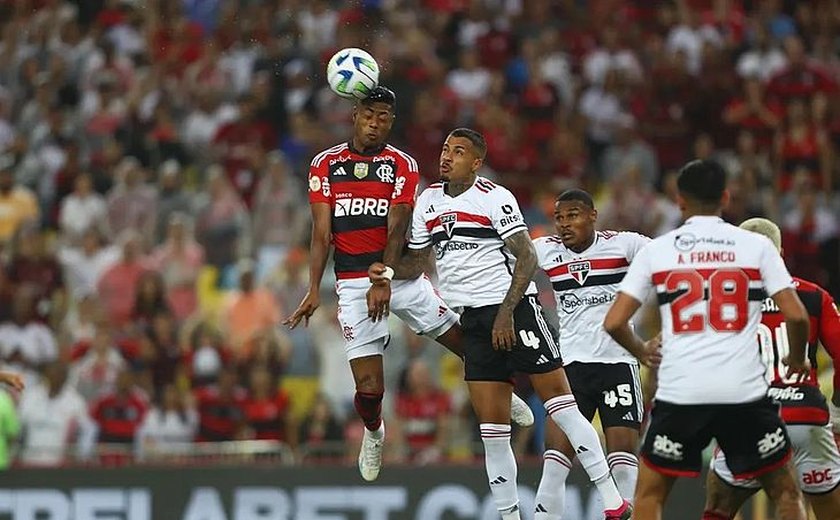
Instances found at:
x=529 y=339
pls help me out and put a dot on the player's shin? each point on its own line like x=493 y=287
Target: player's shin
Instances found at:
x=564 y=412
x=501 y=468
x=551 y=493
x=625 y=471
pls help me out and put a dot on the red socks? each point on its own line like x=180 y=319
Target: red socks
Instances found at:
x=369 y=408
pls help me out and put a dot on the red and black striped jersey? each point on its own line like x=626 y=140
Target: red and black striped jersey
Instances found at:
x=360 y=189
x=802 y=402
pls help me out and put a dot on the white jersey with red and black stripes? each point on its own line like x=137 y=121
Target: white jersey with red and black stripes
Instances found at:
x=585 y=284
x=710 y=279
x=468 y=233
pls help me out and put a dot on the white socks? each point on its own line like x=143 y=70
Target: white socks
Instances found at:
x=550 y=501
x=501 y=468
x=564 y=412
x=625 y=470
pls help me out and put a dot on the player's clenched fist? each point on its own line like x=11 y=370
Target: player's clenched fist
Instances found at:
x=376 y=273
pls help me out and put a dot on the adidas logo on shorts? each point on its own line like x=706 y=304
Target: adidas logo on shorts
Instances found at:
x=542 y=360
x=628 y=417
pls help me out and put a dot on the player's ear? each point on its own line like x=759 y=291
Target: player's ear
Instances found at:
x=477 y=164
x=594 y=215
x=724 y=199
x=681 y=202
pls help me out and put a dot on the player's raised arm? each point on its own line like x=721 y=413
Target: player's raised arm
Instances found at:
x=319 y=249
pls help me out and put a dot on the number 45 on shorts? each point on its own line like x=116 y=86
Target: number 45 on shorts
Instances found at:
x=622 y=395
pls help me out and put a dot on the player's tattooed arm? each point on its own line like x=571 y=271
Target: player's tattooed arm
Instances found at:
x=522 y=247
x=411 y=265
x=399 y=219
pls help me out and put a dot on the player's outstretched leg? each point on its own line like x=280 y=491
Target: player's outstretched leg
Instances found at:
x=652 y=490
x=520 y=412
x=368 y=373
x=553 y=389
x=490 y=401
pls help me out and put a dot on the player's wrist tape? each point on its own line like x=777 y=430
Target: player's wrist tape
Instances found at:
x=388 y=273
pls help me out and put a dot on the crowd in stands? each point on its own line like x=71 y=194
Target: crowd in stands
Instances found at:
x=153 y=208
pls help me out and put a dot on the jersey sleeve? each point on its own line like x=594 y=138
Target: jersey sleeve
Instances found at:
x=319 y=182
x=420 y=235
x=635 y=243
x=542 y=249
x=830 y=333
x=406 y=182
x=505 y=214
x=639 y=278
x=774 y=274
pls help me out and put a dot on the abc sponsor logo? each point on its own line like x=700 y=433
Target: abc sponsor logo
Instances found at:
x=772 y=443
x=666 y=448
x=817 y=476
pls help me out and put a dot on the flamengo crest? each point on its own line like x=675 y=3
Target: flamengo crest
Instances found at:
x=580 y=271
x=447 y=220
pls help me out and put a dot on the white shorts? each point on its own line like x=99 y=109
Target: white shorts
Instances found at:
x=415 y=302
x=815 y=457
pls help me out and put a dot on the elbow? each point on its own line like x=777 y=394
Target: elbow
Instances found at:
x=611 y=325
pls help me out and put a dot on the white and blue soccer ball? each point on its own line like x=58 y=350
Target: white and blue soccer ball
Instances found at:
x=352 y=73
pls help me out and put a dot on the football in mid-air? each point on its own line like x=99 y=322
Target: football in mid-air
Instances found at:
x=352 y=73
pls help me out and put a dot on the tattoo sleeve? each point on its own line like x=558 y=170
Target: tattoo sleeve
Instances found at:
x=399 y=218
x=526 y=265
x=412 y=264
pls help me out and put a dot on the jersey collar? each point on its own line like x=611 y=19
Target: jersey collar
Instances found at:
x=704 y=219
x=372 y=153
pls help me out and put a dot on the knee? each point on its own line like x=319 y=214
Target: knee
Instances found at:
x=370 y=384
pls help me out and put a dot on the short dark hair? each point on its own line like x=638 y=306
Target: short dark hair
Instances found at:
x=702 y=181
x=576 y=195
x=474 y=137
x=380 y=94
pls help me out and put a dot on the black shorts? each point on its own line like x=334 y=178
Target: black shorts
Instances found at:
x=613 y=389
x=751 y=435
x=535 y=351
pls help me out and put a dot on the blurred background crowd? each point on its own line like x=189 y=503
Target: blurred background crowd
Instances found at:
x=153 y=207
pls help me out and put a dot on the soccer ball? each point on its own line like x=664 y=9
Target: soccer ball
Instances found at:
x=352 y=73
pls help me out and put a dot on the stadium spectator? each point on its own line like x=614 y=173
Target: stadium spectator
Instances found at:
x=630 y=151
x=24 y=339
x=82 y=209
x=53 y=418
x=84 y=265
x=120 y=413
x=221 y=408
x=801 y=77
x=206 y=357
x=132 y=204
x=117 y=287
x=321 y=432
x=422 y=412
x=172 y=198
x=221 y=220
x=94 y=375
x=179 y=260
x=33 y=266
x=149 y=299
x=251 y=312
x=267 y=408
x=170 y=423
